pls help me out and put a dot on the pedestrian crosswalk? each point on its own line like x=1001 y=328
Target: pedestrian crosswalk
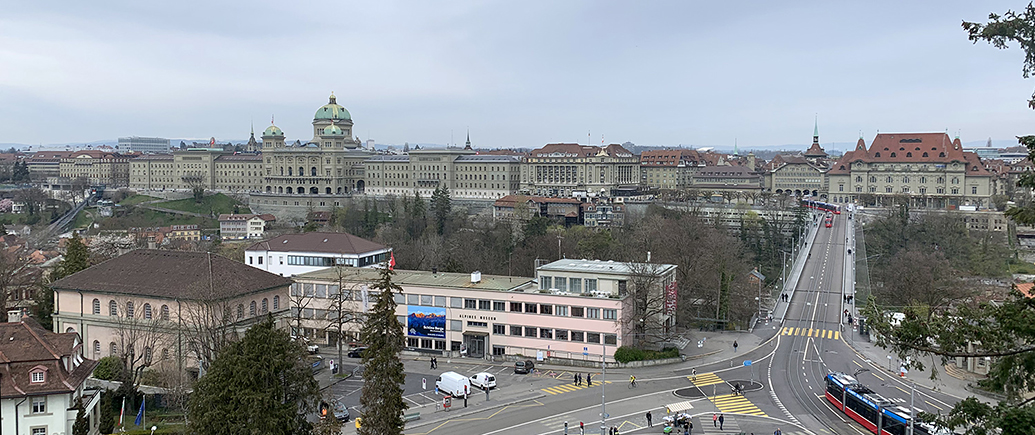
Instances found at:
x=811 y=332
x=705 y=379
x=567 y=388
x=736 y=404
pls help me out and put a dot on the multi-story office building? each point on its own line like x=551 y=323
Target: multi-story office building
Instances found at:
x=669 y=169
x=796 y=175
x=567 y=169
x=727 y=178
x=146 y=145
x=244 y=226
x=930 y=169
x=98 y=167
x=573 y=308
x=465 y=173
x=210 y=168
x=294 y=254
x=46 y=165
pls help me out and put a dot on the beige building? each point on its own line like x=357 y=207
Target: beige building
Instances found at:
x=212 y=169
x=98 y=167
x=160 y=305
x=727 y=178
x=568 y=169
x=669 y=169
x=467 y=174
x=930 y=169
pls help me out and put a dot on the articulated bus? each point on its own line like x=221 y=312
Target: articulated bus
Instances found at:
x=873 y=411
x=816 y=205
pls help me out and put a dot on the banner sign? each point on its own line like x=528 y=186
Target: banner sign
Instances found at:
x=671 y=294
x=426 y=321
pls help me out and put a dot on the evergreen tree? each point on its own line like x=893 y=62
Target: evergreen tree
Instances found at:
x=261 y=384
x=77 y=257
x=106 y=425
x=43 y=309
x=382 y=388
x=82 y=423
x=417 y=216
x=442 y=207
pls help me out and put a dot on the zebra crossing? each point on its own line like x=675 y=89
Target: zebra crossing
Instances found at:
x=705 y=379
x=570 y=387
x=811 y=332
x=736 y=404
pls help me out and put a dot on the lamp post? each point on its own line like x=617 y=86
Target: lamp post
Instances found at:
x=603 y=375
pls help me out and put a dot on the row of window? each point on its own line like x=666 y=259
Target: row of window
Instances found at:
x=556 y=334
x=573 y=285
x=514 y=307
x=130 y=309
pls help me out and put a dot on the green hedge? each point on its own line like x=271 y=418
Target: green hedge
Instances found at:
x=626 y=354
x=108 y=368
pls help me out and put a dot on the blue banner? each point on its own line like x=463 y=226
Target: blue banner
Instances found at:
x=426 y=321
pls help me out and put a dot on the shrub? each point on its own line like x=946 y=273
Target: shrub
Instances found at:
x=109 y=368
x=626 y=354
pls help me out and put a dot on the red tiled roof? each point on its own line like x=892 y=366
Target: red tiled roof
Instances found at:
x=25 y=347
x=911 y=148
x=1026 y=289
x=513 y=200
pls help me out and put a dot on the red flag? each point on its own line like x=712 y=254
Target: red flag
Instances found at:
x=391 y=262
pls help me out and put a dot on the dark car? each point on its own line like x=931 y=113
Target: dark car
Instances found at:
x=357 y=352
x=525 y=367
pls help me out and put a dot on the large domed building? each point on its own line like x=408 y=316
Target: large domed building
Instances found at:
x=315 y=174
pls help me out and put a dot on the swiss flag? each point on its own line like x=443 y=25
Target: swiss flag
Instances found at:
x=391 y=262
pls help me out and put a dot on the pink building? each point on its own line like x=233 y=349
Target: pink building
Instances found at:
x=477 y=315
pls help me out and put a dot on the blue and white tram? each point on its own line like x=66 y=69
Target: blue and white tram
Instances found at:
x=875 y=413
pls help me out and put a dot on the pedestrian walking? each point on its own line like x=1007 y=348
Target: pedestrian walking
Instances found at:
x=735 y=345
x=778 y=432
x=689 y=425
x=715 y=420
x=575 y=379
x=649 y=423
x=432 y=361
x=589 y=379
x=693 y=374
x=721 y=420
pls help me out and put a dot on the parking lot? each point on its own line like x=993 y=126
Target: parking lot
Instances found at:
x=419 y=389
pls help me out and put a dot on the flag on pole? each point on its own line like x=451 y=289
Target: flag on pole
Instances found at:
x=122 y=412
x=391 y=262
x=140 y=413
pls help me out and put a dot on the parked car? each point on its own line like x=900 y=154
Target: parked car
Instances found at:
x=453 y=384
x=525 y=366
x=485 y=381
x=341 y=412
x=310 y=347
x=357 y=352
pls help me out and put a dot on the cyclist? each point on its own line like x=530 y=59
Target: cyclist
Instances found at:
x=632 y=381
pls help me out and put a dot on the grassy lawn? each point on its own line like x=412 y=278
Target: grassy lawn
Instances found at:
x=212 y=204
x=137 y=217
x=1022 y=267
x=137 y=199
x=84 y=218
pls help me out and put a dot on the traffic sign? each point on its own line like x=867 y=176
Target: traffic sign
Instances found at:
x=747 y=362
x=585 y=351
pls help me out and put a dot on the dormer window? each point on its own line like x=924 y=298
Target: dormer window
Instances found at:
x=38 y=376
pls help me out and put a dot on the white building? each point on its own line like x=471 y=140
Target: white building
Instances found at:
x=293 y=254
x=146 y=145
x=244 y=226
x=41 y=379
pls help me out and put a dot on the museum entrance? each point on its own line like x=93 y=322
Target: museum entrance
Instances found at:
x=474 y=344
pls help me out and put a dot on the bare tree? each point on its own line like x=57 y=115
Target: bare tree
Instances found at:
x=301 y=296
x=78 y=188
x=344 y=309
x=207 y=327
x=16 y=275
x=649 y=316
x=139 y=332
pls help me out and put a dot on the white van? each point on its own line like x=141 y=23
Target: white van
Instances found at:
x=453 y=384
x=485 y=381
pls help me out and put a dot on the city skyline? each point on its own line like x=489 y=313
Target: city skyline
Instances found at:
x=663 y=74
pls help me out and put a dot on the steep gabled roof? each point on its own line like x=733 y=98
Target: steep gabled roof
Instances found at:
x=936 y=148
x=26 y=347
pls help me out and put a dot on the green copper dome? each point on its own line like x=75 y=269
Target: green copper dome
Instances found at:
x=332 y=130
x=273 y=131
x=332 y=110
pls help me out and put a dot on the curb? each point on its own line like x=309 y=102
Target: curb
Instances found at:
x=452 y=414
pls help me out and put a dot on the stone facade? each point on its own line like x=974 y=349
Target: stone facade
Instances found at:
x=466 y=174
x=930 y=169
x=669 y=169
x=567 y=169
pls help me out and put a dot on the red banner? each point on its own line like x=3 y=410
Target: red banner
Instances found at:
x=671 y=294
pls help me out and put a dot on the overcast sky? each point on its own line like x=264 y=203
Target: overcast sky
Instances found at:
x=517 y=73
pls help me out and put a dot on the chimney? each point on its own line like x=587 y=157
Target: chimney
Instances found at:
x=476 y=277
x=14 y=316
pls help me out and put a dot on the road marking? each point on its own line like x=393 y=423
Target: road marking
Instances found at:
x=706 y=379
x=440 y=425
x=735 y=404
x=567 y=388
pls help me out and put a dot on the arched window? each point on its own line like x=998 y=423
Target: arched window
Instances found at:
x=113 y=348
x=96 y=349
x=858 y=178
x=328 y=190
x=301 y=171
x=97 y=306
x=265 y=305
x=240 y=311
x=873 y=179
x=147 y=311
x=313 y=171
x=251 y=309
x=876 y=154
x=276 y=302
x=955 y=180
x=147 y=355
x=113 y=308
x=69 y=329
x=925 y=154
x=280 y=190
x=165 y=312
x=289 y=171
x=892 y=154
x=909 y=154
x=269 y=189
x=129 y=309
x=314 y=190
x=941 y=154
x=289 y=191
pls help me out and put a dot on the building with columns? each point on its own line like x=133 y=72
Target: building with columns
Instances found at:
x=931 y=169
x=567 y=169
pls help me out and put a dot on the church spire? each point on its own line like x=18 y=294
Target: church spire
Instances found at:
x=468 y=140
x=815 y=133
